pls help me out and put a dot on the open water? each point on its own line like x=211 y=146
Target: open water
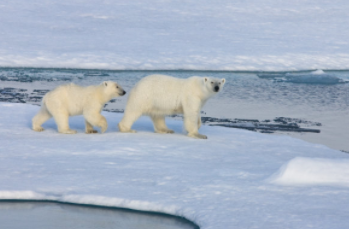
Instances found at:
x=52 y=215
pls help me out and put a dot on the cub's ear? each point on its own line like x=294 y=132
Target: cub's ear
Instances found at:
x=205 y=79
x=105 y=83
x=223 y=81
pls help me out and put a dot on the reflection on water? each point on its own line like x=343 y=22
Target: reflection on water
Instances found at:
x=50 y=215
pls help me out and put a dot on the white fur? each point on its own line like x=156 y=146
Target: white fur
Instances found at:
x=160 y=95
x=69 y=100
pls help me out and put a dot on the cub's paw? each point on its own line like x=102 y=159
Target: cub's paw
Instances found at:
x=104 y=129
x=68 y=132
x=91 y=131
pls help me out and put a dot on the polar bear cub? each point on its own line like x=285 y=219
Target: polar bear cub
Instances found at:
x=161 y=95
x=69 y=100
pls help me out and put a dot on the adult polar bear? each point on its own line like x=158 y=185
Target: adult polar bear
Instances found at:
x=161 y=95
x=69 y=100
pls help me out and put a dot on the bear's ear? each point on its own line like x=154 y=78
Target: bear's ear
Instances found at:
x=105 y=83
x=223 y=81
x=205 y=80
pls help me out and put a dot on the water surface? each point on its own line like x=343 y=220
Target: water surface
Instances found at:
x=53 y=215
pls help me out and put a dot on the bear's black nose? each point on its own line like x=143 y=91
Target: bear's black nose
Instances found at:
x=216 y=88
x=124 y=93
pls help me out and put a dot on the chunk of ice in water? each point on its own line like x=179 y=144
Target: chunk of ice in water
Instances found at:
x=315 y=77
x=318 y=72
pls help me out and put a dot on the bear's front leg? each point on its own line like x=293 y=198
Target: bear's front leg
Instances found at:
x=197 y=135
x=199 y=122
x=191 y=116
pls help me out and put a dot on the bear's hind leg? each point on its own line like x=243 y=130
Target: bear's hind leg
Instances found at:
x=128 y=120
x=160 y=125
x=62 y=121
x=42 y=116
x=89 y=128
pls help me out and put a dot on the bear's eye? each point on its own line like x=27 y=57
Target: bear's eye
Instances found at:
x=117 y=86
x=219 y=83
x=211 y=82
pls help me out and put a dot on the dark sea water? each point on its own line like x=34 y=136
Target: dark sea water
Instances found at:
x=315 y=101
x=52 y=215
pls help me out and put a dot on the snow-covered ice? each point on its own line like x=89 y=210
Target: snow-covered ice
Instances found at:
x=313 y=171
x=155 y=34
x=235 y=179
x=227 y=181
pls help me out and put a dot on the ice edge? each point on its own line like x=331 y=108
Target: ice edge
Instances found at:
x=104 y=202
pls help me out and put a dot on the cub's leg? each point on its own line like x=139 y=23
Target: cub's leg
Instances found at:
x=160 y=125
x=62 y=121
x=61 y=116
x=42 y=116
x=89 y=128
x=95 y=119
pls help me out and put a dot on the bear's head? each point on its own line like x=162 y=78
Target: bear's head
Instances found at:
x=214 y=85
x=113 y=89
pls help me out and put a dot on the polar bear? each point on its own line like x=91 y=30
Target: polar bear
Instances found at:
x=161 y=95
x=69 y=100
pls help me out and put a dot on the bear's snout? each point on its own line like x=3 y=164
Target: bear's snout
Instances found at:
x=122 y=93
x=216 y=88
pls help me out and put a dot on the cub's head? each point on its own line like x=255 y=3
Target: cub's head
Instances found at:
x=113 y=89
x=214 y=85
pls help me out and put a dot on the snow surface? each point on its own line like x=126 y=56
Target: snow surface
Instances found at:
x=223 y=182
x=157 y=34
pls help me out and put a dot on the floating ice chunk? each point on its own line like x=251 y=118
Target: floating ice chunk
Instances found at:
x=315 y=77
x=318 y=72
x=313 y=171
